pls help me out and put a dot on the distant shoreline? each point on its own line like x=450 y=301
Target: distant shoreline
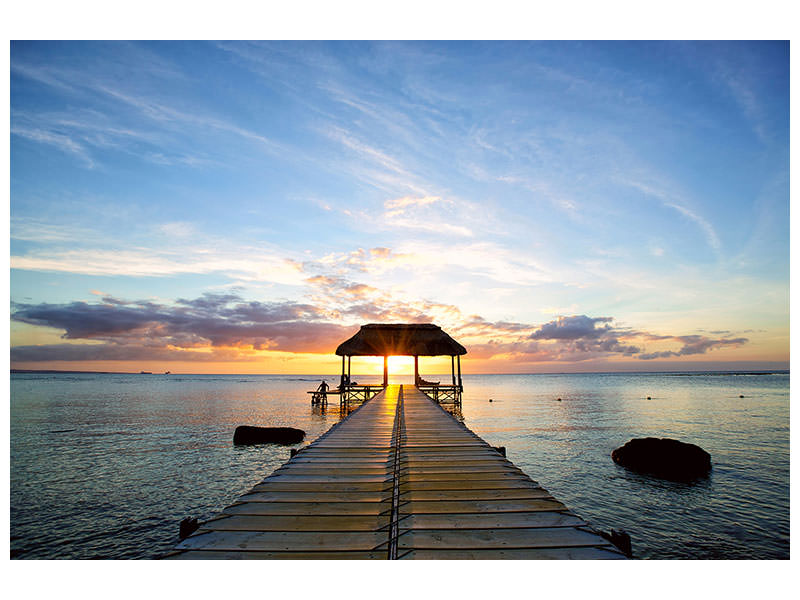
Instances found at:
x=686 y=373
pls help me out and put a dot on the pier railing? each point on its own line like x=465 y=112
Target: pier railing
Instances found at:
x=349 y=395
x=356 y=394
x=360 y=393
x=442 y=394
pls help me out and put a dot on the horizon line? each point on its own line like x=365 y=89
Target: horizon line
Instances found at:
x=726 y=371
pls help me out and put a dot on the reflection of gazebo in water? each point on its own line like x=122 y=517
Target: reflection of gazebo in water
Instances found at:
x=399 y=340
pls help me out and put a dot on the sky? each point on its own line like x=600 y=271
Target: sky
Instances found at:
x=232 y=207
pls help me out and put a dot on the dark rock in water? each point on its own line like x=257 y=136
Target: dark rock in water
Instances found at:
x=188 y=526
x=247 y=434
x=665 y=458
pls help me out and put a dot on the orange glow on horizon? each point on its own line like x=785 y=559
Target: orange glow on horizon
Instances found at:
x=231 y=360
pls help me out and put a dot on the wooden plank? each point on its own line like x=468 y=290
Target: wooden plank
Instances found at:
x=314 y=497
x=343 y=453
x=286 y=486
x=485 y=459
x=468 y=484
x=540 y=537
x=579 y=553
x=491 y=520
x=477 y=494
x=310 y=508
x=243 y=555
x=332 y=477
x=338 y=471
x=298 y=523
x=328 y=462
x=439 y=471
x=283 y=541
x=504 y=474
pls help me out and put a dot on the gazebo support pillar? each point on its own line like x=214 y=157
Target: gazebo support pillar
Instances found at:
x=460 y=386
x=385 y=371
x=416 y=370
x=453 y=368
x=341 y=379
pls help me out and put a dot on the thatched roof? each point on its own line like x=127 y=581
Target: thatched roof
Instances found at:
x=400 y=340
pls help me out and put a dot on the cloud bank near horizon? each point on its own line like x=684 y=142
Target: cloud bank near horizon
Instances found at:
x=225 y=327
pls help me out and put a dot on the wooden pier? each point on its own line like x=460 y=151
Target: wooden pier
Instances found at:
x=399 y=478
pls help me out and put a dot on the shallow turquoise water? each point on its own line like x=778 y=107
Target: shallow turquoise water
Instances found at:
x=107 y=465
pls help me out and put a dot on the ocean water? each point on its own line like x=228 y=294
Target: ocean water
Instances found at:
x=105 y=466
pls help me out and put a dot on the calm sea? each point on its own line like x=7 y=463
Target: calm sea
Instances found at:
x=105 y=466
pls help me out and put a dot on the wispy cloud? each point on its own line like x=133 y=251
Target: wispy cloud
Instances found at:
x=745 y=96
x=694 y=344
x=400 y=206
x=30 y=229
x=673 y=202
x=240 y=263
x=438 y=258
x=63 y=142
x=711 y=235
x=46 y=75
x=160 y=111
x=426 y=213
x=161 y=139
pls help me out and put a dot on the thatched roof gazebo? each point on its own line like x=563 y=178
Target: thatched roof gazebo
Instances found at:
x=402 y=339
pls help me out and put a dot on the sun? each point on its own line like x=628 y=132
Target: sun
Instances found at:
x=401 y=365
x=373 y=365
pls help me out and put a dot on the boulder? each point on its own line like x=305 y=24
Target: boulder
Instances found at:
x=664 y=458
x=247 y=434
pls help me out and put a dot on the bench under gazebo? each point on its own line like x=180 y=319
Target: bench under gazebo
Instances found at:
x=400 y=339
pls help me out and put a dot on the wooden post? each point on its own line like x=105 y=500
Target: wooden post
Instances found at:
x=341 y=380
x=385 y=371
x=453 y=368
x=416 y=370
x=349 y=379
x=460 y=386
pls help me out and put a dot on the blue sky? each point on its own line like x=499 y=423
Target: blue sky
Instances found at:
x=629 y=198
